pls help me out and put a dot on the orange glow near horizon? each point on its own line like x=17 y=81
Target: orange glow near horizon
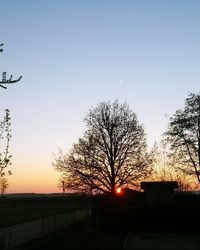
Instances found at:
x=34 y=177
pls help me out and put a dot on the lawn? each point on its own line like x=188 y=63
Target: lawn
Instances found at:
x=114 y=219
x=14 y=211
x=77 y=239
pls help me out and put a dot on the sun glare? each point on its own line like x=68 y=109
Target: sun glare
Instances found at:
x=118 y=190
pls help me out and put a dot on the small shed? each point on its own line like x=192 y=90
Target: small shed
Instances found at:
x=158 y=192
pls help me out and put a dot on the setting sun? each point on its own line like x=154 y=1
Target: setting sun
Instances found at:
x=118 y=190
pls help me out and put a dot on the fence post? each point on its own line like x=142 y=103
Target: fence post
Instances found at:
x=66 y=219
x=97 y=219
x=9 y=240
x=42 y=226
x=74 y=215
x=9 y=237
x=2 y=241
x=55 y=222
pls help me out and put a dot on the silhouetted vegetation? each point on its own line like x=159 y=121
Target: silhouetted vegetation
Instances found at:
x=166 y=170
x=125 y=215
x=111 y=153
x=6 y=80
x=5 y=136
x=184 y=137
x=3 y=185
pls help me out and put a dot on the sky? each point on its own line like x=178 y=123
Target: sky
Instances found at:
x=73 y=54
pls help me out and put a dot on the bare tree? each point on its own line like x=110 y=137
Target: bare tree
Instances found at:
x=111 y=153
x=5 y=132
x=7 y=80
x=183 y=134
x=165 y=170
x=5 y=136
x=3 y=185
x=1 y=50
x=62 y=183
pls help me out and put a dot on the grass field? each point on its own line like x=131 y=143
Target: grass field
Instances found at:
x=18 y=210
x=111 y=224
x=14 y=211
x=77 y=239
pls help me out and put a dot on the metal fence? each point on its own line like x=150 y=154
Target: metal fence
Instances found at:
x=18 y=234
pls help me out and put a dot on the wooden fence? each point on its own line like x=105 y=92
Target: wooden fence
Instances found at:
x=18 y=234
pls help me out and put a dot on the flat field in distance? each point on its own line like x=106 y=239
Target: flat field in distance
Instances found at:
x=19 y=210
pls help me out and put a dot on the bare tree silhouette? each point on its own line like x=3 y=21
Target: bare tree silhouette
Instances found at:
x=3 y=185
x=183 y=135
x=7 y=80
x=5 y=131
x=5 y=136
x=166 y=170
x=112 y=153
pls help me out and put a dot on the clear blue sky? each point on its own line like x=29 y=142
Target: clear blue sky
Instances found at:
x=74 y=54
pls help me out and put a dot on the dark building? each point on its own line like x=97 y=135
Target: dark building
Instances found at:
x=157 y=192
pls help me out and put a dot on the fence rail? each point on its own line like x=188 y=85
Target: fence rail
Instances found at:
x=18 y=234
